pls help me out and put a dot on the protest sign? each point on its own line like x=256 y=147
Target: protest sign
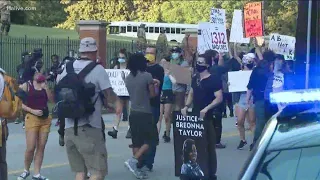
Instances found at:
x=181 y=74
x=237 y=28
x=213 y=35
x=238 y=80
x=116 y=77
x=253 y=22
x=282 y=44
x=190 y=131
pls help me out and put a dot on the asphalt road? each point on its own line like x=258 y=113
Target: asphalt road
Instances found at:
x=55 y=164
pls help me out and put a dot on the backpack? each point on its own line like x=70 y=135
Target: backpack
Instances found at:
x=10 y=104
x=73 y=95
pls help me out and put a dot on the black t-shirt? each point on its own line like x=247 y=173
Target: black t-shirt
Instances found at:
x=257 y=83
x=203 y=92
x=234 y=65
x=157 y=72
x=218 y=70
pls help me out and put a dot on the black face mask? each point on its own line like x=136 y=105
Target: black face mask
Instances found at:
x=250 y=66
x=200 y=68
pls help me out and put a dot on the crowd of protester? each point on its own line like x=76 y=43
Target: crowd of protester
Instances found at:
x=153 y=95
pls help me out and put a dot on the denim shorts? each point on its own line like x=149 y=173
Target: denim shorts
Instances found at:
x=243 y=102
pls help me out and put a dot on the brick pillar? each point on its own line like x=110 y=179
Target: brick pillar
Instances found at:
x=97 y=30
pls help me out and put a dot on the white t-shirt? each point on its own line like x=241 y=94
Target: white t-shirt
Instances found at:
x=99 y=77
x=1 y=86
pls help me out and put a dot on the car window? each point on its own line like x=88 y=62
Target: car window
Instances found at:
x=291 y=164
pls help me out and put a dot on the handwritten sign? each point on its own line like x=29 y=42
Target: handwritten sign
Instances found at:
x=218 y=17
x=238 y=80
x=116 y=77
x=282 y=44
x=253 y=24
x=237 y=28
x=190 y=129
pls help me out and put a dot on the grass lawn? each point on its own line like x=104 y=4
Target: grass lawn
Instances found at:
x=43 y=32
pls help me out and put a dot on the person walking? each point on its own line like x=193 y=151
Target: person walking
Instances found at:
x=37 y=123
x=87 y=150
x=206 y=96
x=141 y=87
x=123 y=101
x=5 y=17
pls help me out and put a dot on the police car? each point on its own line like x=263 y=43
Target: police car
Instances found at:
x=289 y=148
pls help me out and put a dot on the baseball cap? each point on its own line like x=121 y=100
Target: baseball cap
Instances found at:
x=88 y=44
x=40 y=78
x=246 y=58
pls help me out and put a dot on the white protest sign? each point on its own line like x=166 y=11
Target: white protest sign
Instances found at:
x=282 y=44
x=213 y=35
x=238 y=80
x=117 y=82
x=236 y=34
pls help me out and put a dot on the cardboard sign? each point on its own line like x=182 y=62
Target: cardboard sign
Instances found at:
x=253 y=22
x=190 y=131
x=282 y=44
x=116 y=77
x=237 y=28
x=238 y=80
x=213 y=35
x=181 y=74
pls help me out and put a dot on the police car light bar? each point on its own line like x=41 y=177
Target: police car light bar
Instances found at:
x=296 y=96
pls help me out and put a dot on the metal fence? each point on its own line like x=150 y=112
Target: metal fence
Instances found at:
x=12 y=47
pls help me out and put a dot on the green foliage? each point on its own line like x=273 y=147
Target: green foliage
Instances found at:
x=279 y=16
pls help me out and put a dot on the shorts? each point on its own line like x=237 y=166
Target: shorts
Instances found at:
x=243 y=102
x=167 y=97
x=35 y=123
x=124 y=98
x=143 y=129
x=179 y=100
x=87 y=150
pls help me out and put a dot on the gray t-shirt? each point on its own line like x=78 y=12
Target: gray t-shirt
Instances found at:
x=138 y=88
x=181 y=87
x=99 y=77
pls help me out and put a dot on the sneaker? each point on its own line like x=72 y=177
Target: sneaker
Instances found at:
x=224 y=116
x=167 y=139
x=220 y=146
x=113 y=133
x=236 y=123
x=39 y=178
x=231 y=114
x=24 y=175
x=61 y=140
x=88 y=175
x=140 y=174
x=23 y=126
x=131 y=164
x=242 y=144
x=128 y=136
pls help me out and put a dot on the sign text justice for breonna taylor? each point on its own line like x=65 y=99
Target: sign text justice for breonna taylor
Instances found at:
x=190 y=146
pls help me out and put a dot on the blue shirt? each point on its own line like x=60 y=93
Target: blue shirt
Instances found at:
x=167 y=84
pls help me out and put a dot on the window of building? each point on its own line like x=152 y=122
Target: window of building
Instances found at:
x=135 y=29
x=178 y=31
x=167 y=30
x=123 y=29
x=173 y=30
x=129 y=28
x=151 y=29
x=182 y=31
x=157 y=29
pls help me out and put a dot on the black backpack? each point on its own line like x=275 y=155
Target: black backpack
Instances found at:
x=73 y=95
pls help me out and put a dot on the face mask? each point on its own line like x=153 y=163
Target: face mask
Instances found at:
x=150 y=57
x=201 y=68
x=121 y=60
x=250 y=66
x=175 y=55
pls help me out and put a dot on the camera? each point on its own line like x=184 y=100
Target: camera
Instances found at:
x=30 y=62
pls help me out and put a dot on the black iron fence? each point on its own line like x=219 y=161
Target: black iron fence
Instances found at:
x=12 y=47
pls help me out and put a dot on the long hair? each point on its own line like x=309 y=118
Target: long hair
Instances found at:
x=187 y=149
x=137 y=62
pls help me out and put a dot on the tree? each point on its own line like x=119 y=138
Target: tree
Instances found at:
x=96 y=10
x=147 y=10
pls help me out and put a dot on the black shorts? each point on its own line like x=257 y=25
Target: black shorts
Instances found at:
x=143 y=129
x=167 y=97
x=124 y=98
